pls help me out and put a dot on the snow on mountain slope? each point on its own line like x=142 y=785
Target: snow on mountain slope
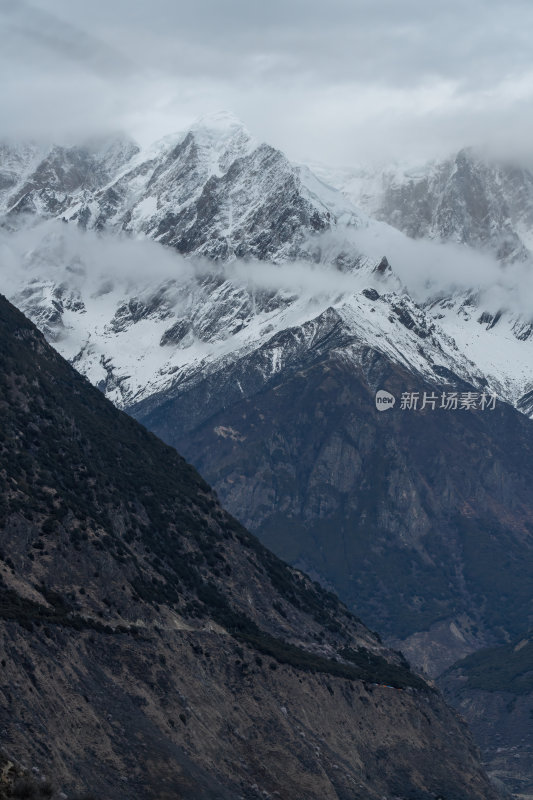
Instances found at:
x=137 y=319
x=16 y=164
x=470 y=198
x=212 y=190
x=158 y=320
x=46 y=181
x=498 y=342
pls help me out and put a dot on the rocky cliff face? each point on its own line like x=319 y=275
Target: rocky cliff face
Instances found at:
x=421 y=520
x=152 y=647
x=468 y=201
x=469 y=198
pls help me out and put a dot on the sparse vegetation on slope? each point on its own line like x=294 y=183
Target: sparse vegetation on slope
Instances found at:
x=151 y=648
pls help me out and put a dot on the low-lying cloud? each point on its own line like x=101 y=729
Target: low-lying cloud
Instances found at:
x=94 y=263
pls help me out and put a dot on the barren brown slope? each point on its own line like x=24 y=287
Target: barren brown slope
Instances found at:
x=152 y=648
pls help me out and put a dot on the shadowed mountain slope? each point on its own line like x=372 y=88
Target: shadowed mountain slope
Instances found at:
x=151 y=647
x=421 y=520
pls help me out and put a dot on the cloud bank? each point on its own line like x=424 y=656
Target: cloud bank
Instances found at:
x=95 y=263
x=340 y=82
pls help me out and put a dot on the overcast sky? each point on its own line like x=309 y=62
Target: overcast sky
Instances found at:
x=342 y=81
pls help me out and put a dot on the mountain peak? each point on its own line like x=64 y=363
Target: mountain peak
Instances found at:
x=219 y=120
x=206 y=129
x=224 y=136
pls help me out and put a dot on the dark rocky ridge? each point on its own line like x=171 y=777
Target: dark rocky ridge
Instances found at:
x=151 y=647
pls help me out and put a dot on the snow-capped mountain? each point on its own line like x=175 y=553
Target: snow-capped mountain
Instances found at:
x=44 y=181
x=215 y=192
x=191 y=278
x=134 y=335
x=212 y=191
x=497 y=341
x=160 y=321
x=481 y=204
x=470 y=198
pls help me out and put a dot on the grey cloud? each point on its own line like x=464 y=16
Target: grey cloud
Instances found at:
x=340 y=81
x=399 y=43
x=34 y=29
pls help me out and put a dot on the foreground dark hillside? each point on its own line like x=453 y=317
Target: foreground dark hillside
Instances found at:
x=150 y=647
